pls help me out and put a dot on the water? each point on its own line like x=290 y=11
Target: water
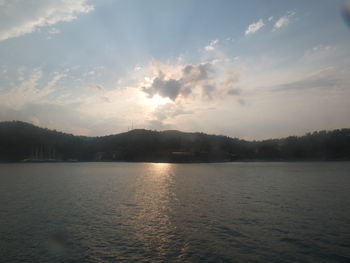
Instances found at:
x=126 y=212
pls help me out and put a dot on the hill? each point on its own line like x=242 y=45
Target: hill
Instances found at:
x=23 y=141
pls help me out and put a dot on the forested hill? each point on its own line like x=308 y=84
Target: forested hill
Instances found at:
x=20 y=141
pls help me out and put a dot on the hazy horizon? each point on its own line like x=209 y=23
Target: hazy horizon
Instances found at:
x=246 y=69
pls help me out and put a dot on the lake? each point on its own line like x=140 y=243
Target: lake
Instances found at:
x=148 y=212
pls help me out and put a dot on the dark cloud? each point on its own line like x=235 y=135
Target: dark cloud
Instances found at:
x=192 y=76
x=235 y=91
x=328 y=78
x=346 y=14
x=96 y=87
x=105 y=99
x=208 y=90
x=207 y=80
x=196 y=73
x=241 y=102
x=166 y=88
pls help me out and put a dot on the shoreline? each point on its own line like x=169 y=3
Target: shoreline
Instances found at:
x=194 y=162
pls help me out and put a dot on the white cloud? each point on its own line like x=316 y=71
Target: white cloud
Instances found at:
x=15 y=22
x=169 y=110
x=212 y=45
x=322 y=54
x=53 y=31
x=270 y=18
x=322 y=48
x=29 y=91
x=284 y=20
x=253 y=28
x=209 y=48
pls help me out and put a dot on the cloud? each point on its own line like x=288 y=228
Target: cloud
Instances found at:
x=15 y=22
x=157 y=125
x=191 y=77
x=53 y=31
x=96 y=87
x=270 y=18
x=230 y=81
x=284 y=20
x=105 y=99
x=51 y=116
x=169 y=110
x=212 y=45
x=253 y=28
x=29 y=91
x=234 y=91
x=165 y=88
x=187 y=87
x=346 y=13
x=320 y=50
x=197 y=73
x=211 y=82
x=326 y=78
x=207 y=90
x=323 y=55
x=163 y=116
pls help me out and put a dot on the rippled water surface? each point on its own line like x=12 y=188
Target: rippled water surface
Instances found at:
x=127 y=212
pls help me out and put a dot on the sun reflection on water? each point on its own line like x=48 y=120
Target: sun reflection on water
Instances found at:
x=160 y=169
x=153 y=197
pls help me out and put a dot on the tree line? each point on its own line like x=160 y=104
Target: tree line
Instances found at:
x=20 y=141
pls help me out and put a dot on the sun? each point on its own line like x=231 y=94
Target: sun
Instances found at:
x=156 y=100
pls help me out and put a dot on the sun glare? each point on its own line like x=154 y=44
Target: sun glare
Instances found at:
x=156 y=100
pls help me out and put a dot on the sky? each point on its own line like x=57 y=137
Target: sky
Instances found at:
x=252 y=69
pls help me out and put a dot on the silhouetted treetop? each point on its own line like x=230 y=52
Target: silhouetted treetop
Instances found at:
x=23 y=141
